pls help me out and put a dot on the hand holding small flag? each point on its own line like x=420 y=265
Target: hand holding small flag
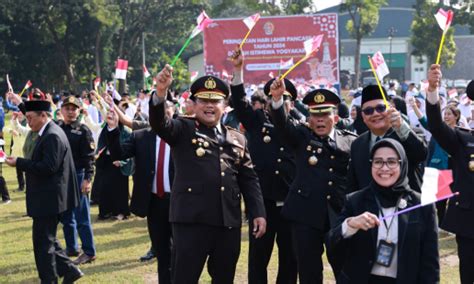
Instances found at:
x=444 y=19
x=164 y=80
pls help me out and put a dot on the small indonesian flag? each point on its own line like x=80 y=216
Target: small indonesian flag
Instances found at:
x=121 y=69
x=271 y=75
x=251 y=21
x=286 y=64
x=96 y=83
x=436 y=185
x=194 y=75
x=10 y=88
x=444 y=18
x=453 y=93
x=202 y=21
x=145 y=71
x=312 y=45
x=28 y=85
x=381 y=68
x=2 y=156
x=225 y=74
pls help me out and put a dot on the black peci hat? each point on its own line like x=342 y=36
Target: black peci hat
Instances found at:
x=289 y=92
x=372 y=92
x=37 y=106
x=470 y=90
x=321 y=100
x=209 y=87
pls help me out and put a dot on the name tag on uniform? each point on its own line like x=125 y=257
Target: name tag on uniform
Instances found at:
x=385 y=253
x=74 y=131
x=316 y=143
x=280 y=203
x=268 y=125
x=470 y=144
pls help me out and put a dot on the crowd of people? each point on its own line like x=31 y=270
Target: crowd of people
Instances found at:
x=316 y=173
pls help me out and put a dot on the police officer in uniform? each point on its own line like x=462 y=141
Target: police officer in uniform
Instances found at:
x=78 y=220
x=212 y=170
x=316 y=195
x=459 y=144
x=275 y=167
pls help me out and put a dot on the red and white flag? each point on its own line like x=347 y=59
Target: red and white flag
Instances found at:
x=312 y=45
x=444 y=18
x=121 y=69
x=145 y=71
x=96 y=83
x=2 y=156
x=271 y=75
x=10 y=88
x=251 y=21
x=194 y=75
x=286 y=64
x=225 y=74
x=453 y=93
x=28 y=85
x=202 y=21
x=436 y=185
x=381 y=68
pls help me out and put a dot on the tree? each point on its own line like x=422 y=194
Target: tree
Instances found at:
x=364 y=18
x=426 y=35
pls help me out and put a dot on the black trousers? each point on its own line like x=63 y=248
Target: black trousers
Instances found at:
x=196 y=243
x=20 y=177
x=308 y=243
x=260 y=250
x=466 y=259
x=159 y=229
x=3 y=188
x=50 y=259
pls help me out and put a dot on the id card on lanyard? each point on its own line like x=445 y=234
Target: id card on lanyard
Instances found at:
x=386 y=248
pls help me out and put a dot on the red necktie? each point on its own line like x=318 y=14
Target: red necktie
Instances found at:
x=160 y=185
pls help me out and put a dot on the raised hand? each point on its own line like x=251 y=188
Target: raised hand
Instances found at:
x=237 y=58
x=434 y=77
x=164 y=80
x=277 y=89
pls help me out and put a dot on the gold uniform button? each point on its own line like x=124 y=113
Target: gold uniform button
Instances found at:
x=190 y=189
x=328 y=197
x=222 y=174
x=222 y=160
x=277 y=172
x=299 y=190
x=279 y=160
x=332 y=157
x=282 y=149
x=330 y=183
x=222 y=188
x=221 y=148
x=457 y=203
x=331 y=170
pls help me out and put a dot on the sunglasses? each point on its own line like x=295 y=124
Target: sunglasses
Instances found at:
x=378 y=108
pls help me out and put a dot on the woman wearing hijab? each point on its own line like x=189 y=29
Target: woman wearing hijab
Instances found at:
x=401 y=249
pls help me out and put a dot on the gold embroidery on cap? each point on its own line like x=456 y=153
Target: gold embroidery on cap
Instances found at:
x=319 y=98
x=210 y=83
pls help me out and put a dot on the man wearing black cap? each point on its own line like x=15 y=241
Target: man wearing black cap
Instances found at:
x=51 y=189
x=383 y=122
x=316 y=195
x=78 y=221
x=212 y=170
x=275 y=166
x=459 y=144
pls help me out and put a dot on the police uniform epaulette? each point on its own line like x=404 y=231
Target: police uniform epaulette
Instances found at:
x=465 y=129
x=347 y=132
x=187 y=116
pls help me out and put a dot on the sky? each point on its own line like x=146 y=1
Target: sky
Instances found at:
x=323 y=4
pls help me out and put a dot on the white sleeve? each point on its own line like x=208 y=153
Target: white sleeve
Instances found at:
x=348 y=231
x=278 y=104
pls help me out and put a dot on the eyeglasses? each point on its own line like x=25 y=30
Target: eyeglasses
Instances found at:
x=378 y=108
x=391 y=163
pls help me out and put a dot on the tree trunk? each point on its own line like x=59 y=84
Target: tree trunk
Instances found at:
x=356 y=82
x=97 y=53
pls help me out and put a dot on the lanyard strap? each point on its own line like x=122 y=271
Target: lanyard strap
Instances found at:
x=381 y=213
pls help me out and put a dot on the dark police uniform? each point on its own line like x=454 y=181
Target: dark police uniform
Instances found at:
x=316 y=195
x=459 y=144
x=78 y=221
x=275 y=167
x=212 y=171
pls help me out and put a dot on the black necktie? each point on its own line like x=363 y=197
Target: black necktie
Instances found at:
x=378 y=139
x=218 y=135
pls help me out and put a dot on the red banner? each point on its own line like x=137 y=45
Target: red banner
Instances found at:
x=274 y=39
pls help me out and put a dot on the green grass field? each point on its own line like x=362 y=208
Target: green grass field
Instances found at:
x=120 y=244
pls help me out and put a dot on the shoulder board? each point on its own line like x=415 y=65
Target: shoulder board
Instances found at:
x=187 y=116
x=464 y=129
x=347 y=132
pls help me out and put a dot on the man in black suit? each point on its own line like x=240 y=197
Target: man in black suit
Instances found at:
x=152 y=182
x=51 y=188
x=275 y=166
x=459 y=144
x=316 y=195
x=384 y=122
x=213 y=169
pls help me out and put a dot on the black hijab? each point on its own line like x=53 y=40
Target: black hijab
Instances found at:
x=388 y=196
